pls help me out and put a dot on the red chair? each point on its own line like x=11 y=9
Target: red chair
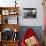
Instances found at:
x=29 y=33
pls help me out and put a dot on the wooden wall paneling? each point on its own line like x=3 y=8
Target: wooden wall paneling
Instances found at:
x=44 y=7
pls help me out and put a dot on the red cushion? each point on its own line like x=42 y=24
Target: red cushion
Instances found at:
x=29 y=33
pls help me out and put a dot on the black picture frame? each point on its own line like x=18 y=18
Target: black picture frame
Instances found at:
x=30 y=12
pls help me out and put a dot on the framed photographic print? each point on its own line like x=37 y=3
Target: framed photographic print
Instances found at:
x=13 y=12
x=5 y=12
x=30 y=12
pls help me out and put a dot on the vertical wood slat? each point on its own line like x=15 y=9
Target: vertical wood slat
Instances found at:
x=44 y=8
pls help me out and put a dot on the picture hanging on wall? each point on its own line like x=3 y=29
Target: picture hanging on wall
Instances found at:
x=30 y=12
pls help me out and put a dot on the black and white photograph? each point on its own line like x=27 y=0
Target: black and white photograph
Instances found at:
x=30 y=12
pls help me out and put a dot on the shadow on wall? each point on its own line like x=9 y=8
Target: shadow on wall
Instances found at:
x=37 y=29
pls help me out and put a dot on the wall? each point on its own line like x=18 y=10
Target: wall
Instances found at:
x=32 y=4
x=7 y=3
x=27 y=4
